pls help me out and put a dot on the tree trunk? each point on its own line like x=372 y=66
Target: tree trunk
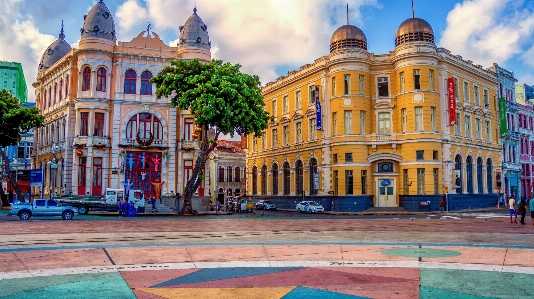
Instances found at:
x=194 y=182
x=12 y=179
x=3 y=197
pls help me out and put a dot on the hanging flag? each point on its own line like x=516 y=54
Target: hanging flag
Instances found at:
x=452 y=101
x=318 y=120
x=502 y=116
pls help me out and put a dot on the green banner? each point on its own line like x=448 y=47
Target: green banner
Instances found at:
x=502 y=116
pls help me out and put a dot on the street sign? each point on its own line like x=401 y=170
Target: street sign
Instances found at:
x=36 y=177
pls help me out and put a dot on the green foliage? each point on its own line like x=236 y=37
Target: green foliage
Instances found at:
x=216 y=93
x=15 y=119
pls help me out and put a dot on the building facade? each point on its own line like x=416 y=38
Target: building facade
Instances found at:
x=226 y=168
x=388 y=127
x=104 y=126
x=525 y=97
x=12 y=79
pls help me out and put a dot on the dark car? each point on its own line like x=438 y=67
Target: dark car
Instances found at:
x=265 y=205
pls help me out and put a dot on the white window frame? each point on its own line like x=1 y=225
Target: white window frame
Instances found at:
x=274 y=137
x=403 y=120
x=488 y=130
x=486 y=99
x=477 y=95
x=311 y=95
x=347 y=121
x=361 y=83
x=312 y=130
x=298 y=100
x=384 y=123
x=466 y=91
x=420 y=181
x=285 y=133
x=363 y=117
x=402 y=89
x=298 y=132
x=285 y=104
x=478 y=131
x=274 y=108
x=431 y=79
x=264 y=141
x=468 y=126
x=346 y=84
x=376 y=84
x=458 y=126
x=417 y=72
x=333 y=86
x=334 y=124
x=418 y=113
x=433 y=118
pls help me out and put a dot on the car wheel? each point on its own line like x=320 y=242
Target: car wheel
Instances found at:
x=67 y=215
x=24 y=215
x=298 y=210
x=83 y=210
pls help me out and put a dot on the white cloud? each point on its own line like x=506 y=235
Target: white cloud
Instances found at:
x=21 y=41
x=130 y=18
x=488 y=31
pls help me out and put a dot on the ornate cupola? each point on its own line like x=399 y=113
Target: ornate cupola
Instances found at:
x=54 y=52
x=98 y=27
x=348 y=37
x=194 y=41
x=414 y=30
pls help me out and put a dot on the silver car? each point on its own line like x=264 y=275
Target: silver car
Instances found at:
x=266 y=205
x=309 y=206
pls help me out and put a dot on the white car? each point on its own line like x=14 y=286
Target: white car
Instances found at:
x=309 y=207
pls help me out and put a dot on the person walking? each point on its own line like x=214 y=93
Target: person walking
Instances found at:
x=218 y=208
x=441 y=205
x=522 y=210
x=513 y=212
x=531 y=208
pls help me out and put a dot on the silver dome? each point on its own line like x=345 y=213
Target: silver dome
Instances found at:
x=194 y=33
x=54 y=52
x=99 y=23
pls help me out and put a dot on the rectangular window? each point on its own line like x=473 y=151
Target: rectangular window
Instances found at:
x=285 y=104
x=401 y=82
x=334 y=124
x=436 y=180
x=364 y=182
x=298 y=129
x=336 y=183
x=486 y=102
x=468 y=126
x=254 y=144
x=362 y=122
x=298 y=100
x=349 y=183
x=274 y=138
x=348 y=122
x=478 y=129
x=361 y=83
x=334 y=158
x=99 y=124
x=383 y=86
x=188 y=170
x=384 y=124
x=264 y=141
x=420 y=181
x=433 y=118
x=488 y=135
x=403 y=120
x=420 y=155
x=311 y=99
x=188 y=129
x=416 y=79
x=312 y=129
x=458 y=127
x=406 y=182
x=84 y=123
x=431 y=79
x=221 y=174
x=348 y=157
x=274 y=108
x=419 y=118
x=333 y=86
x=466 y=91
x=477 y=99
x=346 y=84
x=435 y=155
x=286 y=135
x=456 y=89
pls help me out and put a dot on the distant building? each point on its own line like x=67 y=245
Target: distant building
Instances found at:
x=12 y=79
x=525 y=102
x=226 y=169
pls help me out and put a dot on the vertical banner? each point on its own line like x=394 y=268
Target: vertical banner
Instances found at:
x=452 y=101
x=502 y=116
x=318 y=112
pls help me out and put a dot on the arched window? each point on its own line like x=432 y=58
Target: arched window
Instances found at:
x=67 y=86
x=60 y=89
x=313 y=172
x=64 y=129
x=489 y=175
x=146 y=86
x=287 y=178
x=129 y=82
x=469 y=173
x=229 y=174
x=52 y=133
x=458 y=174
x=275 y=179
x=264 y=180
x=44 y=99
x=55 y=93
x=86 y=78
x=299 y=178
x=49 y=96
x=237 y=176
x=57 y=131
x=144 y=124
x=101 y=79
x=221 y=174
x=480 y=181
x=254 y=180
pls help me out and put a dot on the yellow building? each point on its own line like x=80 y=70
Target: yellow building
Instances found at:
x=386 y=130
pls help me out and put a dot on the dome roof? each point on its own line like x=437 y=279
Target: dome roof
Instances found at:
x=99 y=23
x=414 y=29
x=54 y=52
x=194 y=33
x=348 y=36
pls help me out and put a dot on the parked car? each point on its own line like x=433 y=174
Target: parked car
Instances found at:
x=42 y=207
x=309 y=207
x=265 y=205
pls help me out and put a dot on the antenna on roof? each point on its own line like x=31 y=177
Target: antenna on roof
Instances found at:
x=62 y=34
x=347 y=13
x=413 y=15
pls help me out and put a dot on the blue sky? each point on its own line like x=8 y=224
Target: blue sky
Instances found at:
x=271 y=37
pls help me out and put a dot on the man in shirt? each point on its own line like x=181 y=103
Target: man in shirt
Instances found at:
x=513 y=212
x=531 y=205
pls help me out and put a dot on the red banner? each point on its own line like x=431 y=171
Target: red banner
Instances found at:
x=452 y=101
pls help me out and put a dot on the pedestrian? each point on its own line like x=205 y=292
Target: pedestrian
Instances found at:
x=153 y=204
x=513 y=212
x=531 y=205
x=441 y=205
x=218 y=208
x=522 y=210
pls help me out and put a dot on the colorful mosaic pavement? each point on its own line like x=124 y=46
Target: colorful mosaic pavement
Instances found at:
x=135 y=263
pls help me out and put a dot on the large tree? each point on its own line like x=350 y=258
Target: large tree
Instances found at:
x=220 y=97
x=14 y=120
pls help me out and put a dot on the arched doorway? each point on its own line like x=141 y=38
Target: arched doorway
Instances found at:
x=254 y=180
x=264 y=180
x=299 y=178
x=469 y=173
x=287 y=178
x=458 y=174
x=275 y=179
x=480 y=181
x=314 y=177
x=489 y=175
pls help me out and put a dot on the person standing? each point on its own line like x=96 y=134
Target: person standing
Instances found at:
x=513 y=212
x=522 y=210
x=531 y=205
x=218 y=208
x=441 y=205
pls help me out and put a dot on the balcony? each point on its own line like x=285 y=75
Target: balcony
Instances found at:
x=513 y=135
x=133 y=141
x=101 y=141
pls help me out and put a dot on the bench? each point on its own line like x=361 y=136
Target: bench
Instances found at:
x=424 y=204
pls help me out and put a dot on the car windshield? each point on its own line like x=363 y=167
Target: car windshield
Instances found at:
x=313 y=203
x=268 y=202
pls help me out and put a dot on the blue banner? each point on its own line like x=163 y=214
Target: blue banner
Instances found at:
x=318 y=119
x=36 y=177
